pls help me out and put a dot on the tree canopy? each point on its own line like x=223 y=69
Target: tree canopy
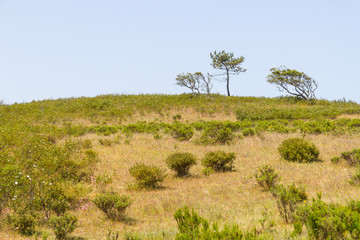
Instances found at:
x=293 y=82
x=227 y=62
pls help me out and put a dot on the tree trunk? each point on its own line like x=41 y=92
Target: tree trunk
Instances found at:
x=227 y=82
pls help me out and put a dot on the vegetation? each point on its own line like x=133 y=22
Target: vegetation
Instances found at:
x=181 y=163
x=298 y=150
x=227 y=62
x=195 y=82
x=293 y=82
x=59 y=158
x=219 y=161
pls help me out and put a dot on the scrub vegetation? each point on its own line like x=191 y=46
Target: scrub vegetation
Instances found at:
x=189 y=166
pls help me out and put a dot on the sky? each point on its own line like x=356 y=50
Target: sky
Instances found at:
x=72 y=48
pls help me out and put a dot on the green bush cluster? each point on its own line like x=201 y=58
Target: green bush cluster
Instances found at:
x=112 y=204
x=298 y=150
x=192 y=226
x=181 y=163
x=147 y=176
x=351 y=157
x=219 y=161
x=63 y=225
x=328 y=220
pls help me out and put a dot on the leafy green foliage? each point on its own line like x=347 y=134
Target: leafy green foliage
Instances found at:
x=63 y=225
x=287 y=199
x=181 y=163
x=226 y=61
x=330 y=220
x=193 y=226
x=182 y=132
x=112 y=204
x=219 y=161
x=293 y=82
x=24 y=221
x=147 y=176
x=267 y=177
x=216 y=134
x=298 y=150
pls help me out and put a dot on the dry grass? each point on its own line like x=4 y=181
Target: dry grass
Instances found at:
x=232 y=197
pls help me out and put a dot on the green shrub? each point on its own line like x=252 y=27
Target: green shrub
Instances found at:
x=352 y=157
x=102 y=181
x=219 y=161
x=113 y=205
x=181 y=163
x=355 y=179
x=335 y=159
x=267 y=177
x=193 y=226
x=105 y=142
x=329 y=220
x=216 y=134
x=287 y=199
x=147 y=176
x=182 y=132
x=298 y=150
x=248 y=132
x=87 y=144
x=24 y=222
x=63 y=225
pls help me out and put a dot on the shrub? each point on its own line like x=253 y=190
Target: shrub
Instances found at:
x=214 y=134
x=113 y=205
x=298 y=150
x=355 y=179
x=182 y=132
x=105 y=142
x=219 y=161
x=193 y=226
x=267 y=177
x=329 y=220
x=102 y=181
x=288 y=199
x=147 y=176
x=63 y=225
x=181 y=163
x=351 y=157
x=24 y=222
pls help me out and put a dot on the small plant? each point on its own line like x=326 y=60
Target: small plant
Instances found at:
x=219 y=161
x=181 y=163
x=182 y=132
x=24 y=222
x=147 y=176
x=267 y=177
x=63 y=225
x=102 y=181
x=113 y=205
x=288 y=199
x=298 y=150
x=87 y=144
x=105 y=142
x=355 y=179
x=207 y=171
x=216 y=135
x=335 y=159
x=352 y=157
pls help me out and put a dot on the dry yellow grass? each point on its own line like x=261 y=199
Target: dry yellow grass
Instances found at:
x=232 y=197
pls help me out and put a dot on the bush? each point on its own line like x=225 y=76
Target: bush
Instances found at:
x=355 y=179
x=63 y=225
x=219 y=161
x=288 y=199
x=352 y=157
x=193 y=226
x=267 y=177
x=329 y=220
x=298 y=150
x=181 y=163
x=214 y=134
x=147 y=176
x=24 y=222
x=113 y=205
x=182 y=132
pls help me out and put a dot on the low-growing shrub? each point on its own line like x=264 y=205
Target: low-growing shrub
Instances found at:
x=329 y=220
x=352 y=157
x=215 y=134
x=298 y=150
x=147 y=176
x=219 y=161
x=267 y=177
x=287 y=199
x=113 y=205
x=24 y=222
x=102 y=181
x=193 y=226
x=105 y=142
x=181 y=163
x=355 y=179
x=182 y=132
x=248 y=132
x=63 y=225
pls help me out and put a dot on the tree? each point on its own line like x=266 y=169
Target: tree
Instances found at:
x=293 y=82
x=227 y=62
x=195 y=82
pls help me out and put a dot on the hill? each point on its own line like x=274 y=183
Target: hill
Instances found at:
x=57 y=156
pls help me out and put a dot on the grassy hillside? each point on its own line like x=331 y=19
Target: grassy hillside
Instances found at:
x=55 y=157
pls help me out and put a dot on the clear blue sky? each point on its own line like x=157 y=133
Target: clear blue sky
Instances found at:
x=71 y=48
